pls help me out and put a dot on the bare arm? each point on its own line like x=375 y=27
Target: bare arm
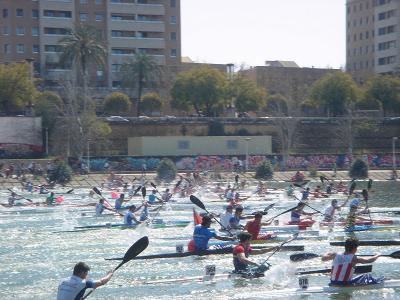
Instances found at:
x=328 y=256
x=103 y=280
x=359 y=260
x=243 y=259
x=263 y=250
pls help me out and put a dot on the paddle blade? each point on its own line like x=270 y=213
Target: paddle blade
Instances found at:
x=137 y=190
x=352 y=187
x=365 y=194
x=302 y=256
x=153 y=185
x=269 y=207
x=395 y=254
x=134 y=250
x=178 y=183
x=70 y=191
x=144 y=192
x=97 y=191
x=369 y=183
x=196 y=201
x=321 y=178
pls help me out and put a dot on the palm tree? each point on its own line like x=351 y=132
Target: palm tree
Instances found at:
x=136 y=72
x=84 y=45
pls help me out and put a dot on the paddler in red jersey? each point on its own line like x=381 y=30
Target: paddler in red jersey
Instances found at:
x=343 y=266
x=241 y=252
x=254 y=226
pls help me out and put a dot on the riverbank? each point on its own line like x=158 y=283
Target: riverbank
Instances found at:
x=96 y=179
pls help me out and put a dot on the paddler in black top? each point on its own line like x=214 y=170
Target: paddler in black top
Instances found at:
x=241 y=252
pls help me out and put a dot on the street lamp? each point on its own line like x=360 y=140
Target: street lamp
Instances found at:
x=88 y=156
x=394 y=139
x=247 y=152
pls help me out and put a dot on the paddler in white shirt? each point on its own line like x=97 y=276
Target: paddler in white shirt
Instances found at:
x=343 y=266
x=100 y=207
x=329 y=212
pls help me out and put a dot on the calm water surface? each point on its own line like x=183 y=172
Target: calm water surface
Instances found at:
x=34 y=257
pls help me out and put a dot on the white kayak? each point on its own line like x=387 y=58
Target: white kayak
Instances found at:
x=387 y=284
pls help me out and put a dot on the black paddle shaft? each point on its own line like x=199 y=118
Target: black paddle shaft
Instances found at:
x=200 y=204
x=132 y=252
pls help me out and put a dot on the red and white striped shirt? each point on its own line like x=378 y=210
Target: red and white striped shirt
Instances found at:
x=342 y=269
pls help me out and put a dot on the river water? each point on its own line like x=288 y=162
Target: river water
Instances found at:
x=34 y=256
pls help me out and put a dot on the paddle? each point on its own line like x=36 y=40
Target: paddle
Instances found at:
x=369 y=184
x=132 y=252
x=137 y=190
x=155 y=187
x=98 y=192
x=307 y=255
x=21 y=197
x=196 y=201
x=365 y=196
x=144 y=192
x=293 y=237
x=286 y=211
x=357 y=270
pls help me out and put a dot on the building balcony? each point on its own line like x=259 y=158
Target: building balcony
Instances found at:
x=156 y=26
x=156 y=43
x=146 y=9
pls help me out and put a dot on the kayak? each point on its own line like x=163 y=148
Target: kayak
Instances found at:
x=218 y=251
x=125 y=226
x=370 y=243
x=374 y=222
x=308 y=271
x=387 y=284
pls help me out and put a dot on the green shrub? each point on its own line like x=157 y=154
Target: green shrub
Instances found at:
x=264 y=170
x=61 y=172
x=216 y=128
x=166 y=170
x=358 y=169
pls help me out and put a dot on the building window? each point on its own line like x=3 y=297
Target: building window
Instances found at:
x=6 y=30
x=173 y=36
x=5 y=12
x=99 y=2
x=99 y=17
x=35 y=31
x=35 y=49
x=20 y=12
x=173 y=20
x=52 y=48
x=367 y=34
x=83 y=17
x=35 y=13
x=7 y=48
x=116 y=84
x=56 y=31
x=116 y=68
x=232 y=144
x=173 y=3
x=386 y=60
x=83 y=1
x=20 y=48
x=20 y=30
x=173 y=52
x=183 y=145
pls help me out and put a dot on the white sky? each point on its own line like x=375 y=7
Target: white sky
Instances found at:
x=310 y=32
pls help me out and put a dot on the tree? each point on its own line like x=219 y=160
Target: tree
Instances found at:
x=84 y=45
x=286 y=121
x=248 y=97
x=204 y=89
x=16 y=87
x=386 y=90
x=117 y=103
x=358 y=169
x=166 y=170
x=264 y=170
x=150 y=102
x=335 y=93
x=140 y=72
x=49 y=106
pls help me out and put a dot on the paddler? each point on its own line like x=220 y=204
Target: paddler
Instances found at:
x=304 y=194
x=13 y=198
x=234 y=221
x=353 y=215
x=119 y=202
x=290 y=190
x=202 y=234
x=343 y=266
x=153 y=198
x=226 y=216
x=166 y=196
x=254 y=226
x=129 y=218
x=100 y=207
x=295 y=215
x=242 y=251
x=329 y=212
x=74 y=287
x=50 y=199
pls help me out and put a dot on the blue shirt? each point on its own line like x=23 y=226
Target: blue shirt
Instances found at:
x=118 y=203
x=234 y=222
x=305 y=195
x=128 y=218
x=201 y=236
x=152 y=198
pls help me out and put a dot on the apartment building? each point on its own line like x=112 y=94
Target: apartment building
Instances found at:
x=31 y=30
x=372 y=28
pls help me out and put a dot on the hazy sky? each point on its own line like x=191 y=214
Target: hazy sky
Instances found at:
x=310 y=32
